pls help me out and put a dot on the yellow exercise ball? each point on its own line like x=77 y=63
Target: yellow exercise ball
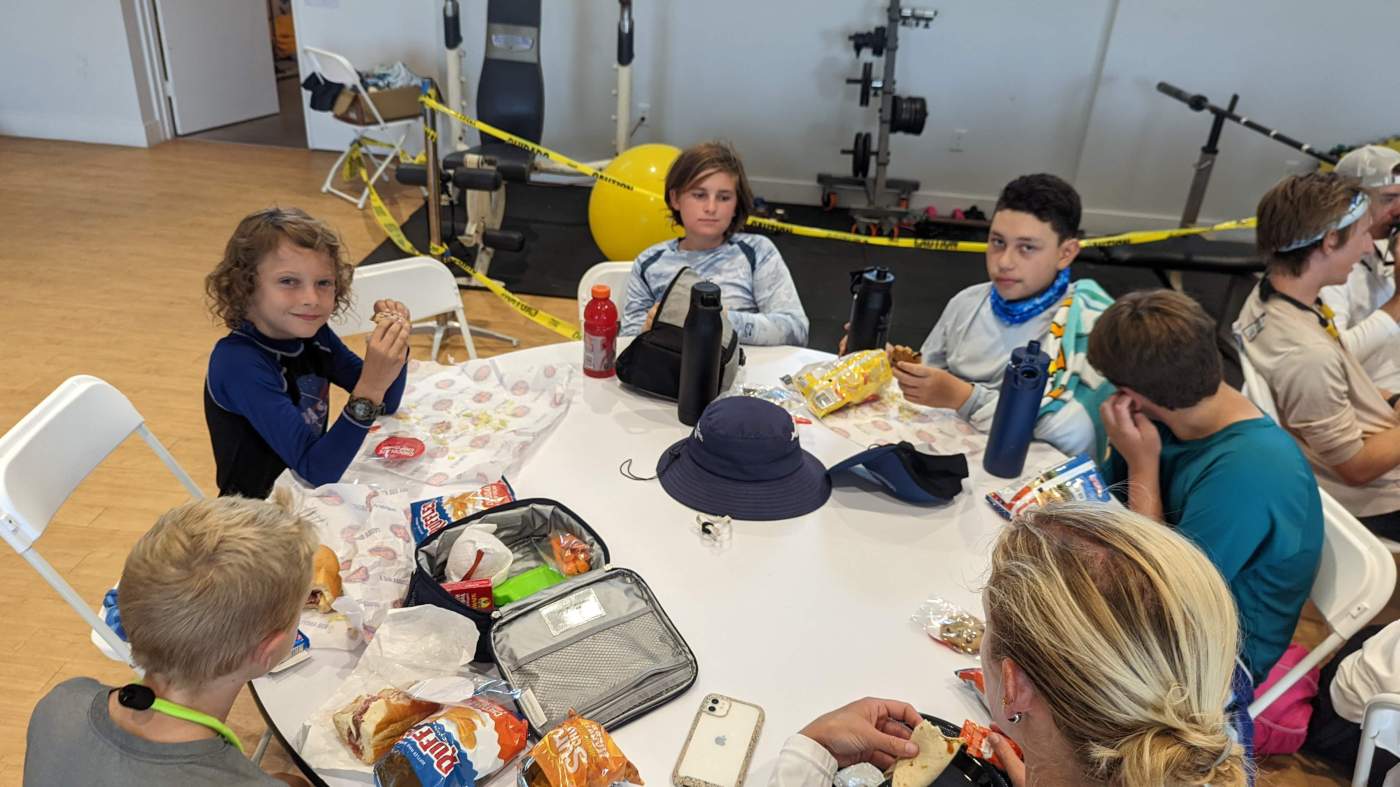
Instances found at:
x=625 y=222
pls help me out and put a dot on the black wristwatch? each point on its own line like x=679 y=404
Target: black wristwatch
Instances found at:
x=362 y=411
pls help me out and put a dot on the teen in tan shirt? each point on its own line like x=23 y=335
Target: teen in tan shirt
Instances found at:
x=1313 y=229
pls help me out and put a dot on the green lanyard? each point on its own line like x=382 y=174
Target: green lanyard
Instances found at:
x=138 y=697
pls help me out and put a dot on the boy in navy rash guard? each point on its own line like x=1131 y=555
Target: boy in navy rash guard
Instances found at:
x=267 y=392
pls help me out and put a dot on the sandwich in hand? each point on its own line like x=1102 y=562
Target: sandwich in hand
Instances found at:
x=372 y=723
x=902 y=354
x=325 y=580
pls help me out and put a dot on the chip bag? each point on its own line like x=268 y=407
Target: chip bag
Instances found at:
x=455 y=747
x=426 y=517
x=974 y=736
x=830 y=385
x=973 y=678
x=579 y=753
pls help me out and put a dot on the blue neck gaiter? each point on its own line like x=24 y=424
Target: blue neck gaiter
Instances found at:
x=1017 y=312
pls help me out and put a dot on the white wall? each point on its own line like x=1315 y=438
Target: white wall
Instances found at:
x=1320 y=78
x=70 y=73
x=1064 y=87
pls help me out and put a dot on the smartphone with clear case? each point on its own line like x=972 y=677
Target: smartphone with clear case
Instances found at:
x=720 y=745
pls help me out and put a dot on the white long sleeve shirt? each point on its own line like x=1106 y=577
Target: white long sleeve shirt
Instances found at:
x=754 y=283
x=1369 y=333
x=803 y=763
x=1372 y=670
x=971 y=342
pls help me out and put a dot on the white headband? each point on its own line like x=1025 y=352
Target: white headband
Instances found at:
x=1359 y=205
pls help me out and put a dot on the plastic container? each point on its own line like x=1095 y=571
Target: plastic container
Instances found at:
x=1018 y=406
x=600 y=333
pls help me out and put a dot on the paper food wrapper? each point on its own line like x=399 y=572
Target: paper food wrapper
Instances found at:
x=890 y=418
x=423 y=650
x=470 y=423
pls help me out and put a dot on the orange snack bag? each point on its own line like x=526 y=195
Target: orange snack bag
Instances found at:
x=973 y=677
x=974 y=735
x=579 y=753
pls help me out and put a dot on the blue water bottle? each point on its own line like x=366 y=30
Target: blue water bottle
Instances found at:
x=1022 y=388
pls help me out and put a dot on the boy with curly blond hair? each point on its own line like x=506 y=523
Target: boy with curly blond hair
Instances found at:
x=267 y=392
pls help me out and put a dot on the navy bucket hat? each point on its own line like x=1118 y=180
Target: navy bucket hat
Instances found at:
x=743 y=460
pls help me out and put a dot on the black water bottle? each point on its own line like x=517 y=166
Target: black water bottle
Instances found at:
x=871 y=302
x=700 y=348
x=1018 y=406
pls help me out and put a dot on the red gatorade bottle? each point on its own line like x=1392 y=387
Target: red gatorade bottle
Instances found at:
x=599 y=333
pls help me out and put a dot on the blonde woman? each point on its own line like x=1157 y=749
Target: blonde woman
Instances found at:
x=1109 y=655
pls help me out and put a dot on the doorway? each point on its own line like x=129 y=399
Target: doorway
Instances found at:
x=230 y=70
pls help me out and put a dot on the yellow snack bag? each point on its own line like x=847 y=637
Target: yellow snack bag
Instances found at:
x=830 y=385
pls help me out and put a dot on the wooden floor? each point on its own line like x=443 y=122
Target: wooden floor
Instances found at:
x=101 y=272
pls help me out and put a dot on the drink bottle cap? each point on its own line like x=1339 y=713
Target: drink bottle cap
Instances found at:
x=602 y=291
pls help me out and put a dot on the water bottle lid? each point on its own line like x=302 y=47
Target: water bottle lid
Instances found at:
x=705 y=294
x=879 y=275
x=602 y=291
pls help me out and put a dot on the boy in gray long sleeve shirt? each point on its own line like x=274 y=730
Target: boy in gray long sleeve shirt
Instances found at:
x=710 y=198
x=1032 y=241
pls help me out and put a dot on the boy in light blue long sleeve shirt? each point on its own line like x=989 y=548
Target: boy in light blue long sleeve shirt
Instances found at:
x=710 y=198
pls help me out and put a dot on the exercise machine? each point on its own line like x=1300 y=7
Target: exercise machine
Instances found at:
x=510 y=96
x=886 y=199
x=1206 y=163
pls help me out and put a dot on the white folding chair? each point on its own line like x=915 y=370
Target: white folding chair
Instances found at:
x=48 y=453
x=1254 y=386
x=336 y=68
x=1382 y=718
x=1355 y=579
x=423 y=284
x=613 y=274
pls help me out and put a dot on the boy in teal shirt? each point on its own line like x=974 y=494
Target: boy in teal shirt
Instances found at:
x=1197 y=455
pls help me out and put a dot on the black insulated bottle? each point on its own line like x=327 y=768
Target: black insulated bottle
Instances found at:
x=700 y=353
x=871 y=301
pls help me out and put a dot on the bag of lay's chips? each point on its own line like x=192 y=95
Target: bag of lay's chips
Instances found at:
x=426 y=517
x=455 y=747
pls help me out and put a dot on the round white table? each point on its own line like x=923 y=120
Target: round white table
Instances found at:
x=798 y=616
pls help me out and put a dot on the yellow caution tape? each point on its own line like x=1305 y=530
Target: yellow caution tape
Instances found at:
x=568 y=330
x=931 y=244
x=1152 y=236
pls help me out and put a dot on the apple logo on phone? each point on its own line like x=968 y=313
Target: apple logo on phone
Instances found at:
x=721 y=740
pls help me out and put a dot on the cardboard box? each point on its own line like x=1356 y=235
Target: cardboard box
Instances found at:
x=394 y=104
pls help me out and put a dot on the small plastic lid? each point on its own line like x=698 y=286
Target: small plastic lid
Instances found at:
x=602 y=291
